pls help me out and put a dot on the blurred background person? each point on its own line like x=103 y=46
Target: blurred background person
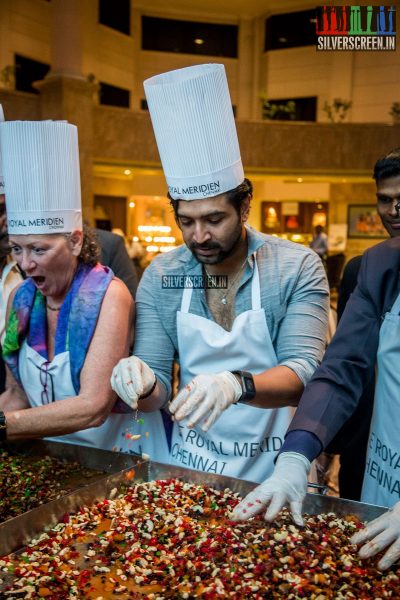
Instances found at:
x=113 y=254
x=319 y=243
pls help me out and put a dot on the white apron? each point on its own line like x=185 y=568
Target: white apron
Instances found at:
x=109 y=436
x=244 y=441
x=382 y=472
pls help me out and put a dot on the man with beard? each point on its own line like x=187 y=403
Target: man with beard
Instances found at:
x=244 y=314
x=366 y=345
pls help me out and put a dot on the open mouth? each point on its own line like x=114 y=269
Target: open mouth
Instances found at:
x=38 y=280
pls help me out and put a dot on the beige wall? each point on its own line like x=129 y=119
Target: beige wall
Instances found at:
x=352 y=193
x=28 y=31
x=371 y=80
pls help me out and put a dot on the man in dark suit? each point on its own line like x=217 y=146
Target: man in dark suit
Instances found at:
x=368 y=335
x=115 y=256
x=351 y=441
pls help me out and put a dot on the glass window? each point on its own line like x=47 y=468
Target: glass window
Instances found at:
x=290 y=109
x=290 y=30
x=27 y=71
x=116 y=14
x=111 y=95
x=189 y=37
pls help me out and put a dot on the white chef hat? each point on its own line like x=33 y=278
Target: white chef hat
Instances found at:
x=2 y=186
x=41 y=168
x=193 y=122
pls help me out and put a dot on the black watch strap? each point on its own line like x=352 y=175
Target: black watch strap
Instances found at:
x=3 y=427
x=248 y=387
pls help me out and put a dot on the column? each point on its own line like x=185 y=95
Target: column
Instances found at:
x=65 y=93
x=245 y=69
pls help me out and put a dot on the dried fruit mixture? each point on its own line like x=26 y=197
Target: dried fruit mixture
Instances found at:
x=170 y=539
x=27 y=482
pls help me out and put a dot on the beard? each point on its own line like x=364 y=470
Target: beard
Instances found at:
x=221 y=251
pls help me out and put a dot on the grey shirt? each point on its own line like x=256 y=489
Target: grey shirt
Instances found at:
x=294 y=295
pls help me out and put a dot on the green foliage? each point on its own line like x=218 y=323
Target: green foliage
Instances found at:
x=273 y=111
x=337 y=110
x=395 y=112
x=7 y=75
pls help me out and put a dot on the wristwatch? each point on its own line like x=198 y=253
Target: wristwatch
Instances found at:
x=3 y=427
x=248 y=388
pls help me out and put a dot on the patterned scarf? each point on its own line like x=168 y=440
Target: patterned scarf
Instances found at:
x=76 y=323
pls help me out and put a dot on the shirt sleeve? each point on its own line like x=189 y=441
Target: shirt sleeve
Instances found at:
x=301 y=339
x=332 y=395
x=302 y=442
x=152 y=343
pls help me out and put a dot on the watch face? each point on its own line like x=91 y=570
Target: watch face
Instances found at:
x=249 y=383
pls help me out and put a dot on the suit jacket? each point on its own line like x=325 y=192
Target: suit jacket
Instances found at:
x=115 y=256
x=348 y=283
x=332 y=395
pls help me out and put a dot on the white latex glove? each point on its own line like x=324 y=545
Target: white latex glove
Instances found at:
x=286 y=486
x=132 y=378
x=205 y=398
x=380 y=533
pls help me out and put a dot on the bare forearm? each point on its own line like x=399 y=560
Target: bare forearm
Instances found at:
x=61 y=417
x=154 y=402
x=13 y=399
x=276 y=388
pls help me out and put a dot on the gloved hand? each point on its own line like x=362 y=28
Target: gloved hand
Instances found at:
x=205 y=398
x=286 y=486
x=381 y=532
x=132 y=378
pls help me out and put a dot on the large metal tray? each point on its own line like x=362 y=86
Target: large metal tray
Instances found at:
x=92 y=458
x=102 y=461
x=19 y=531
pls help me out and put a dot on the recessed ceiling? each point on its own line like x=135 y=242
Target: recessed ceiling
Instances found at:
x=225 y=9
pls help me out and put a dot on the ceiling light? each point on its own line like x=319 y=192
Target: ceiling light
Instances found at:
x=127 y=172
x=299 y=180
x=198 y=41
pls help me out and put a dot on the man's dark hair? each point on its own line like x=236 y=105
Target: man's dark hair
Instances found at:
x=236 y=197
x=387 y=166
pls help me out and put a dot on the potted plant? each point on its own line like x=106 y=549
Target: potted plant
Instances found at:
x=395 y=112
x=7 y=77
x=273 y=111
x=337 y=110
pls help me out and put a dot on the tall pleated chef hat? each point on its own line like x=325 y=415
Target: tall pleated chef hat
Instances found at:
x=41 y=168
x=193 y=123
x=2 y=186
